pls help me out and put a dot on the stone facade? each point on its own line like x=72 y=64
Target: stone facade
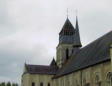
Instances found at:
x=93 y=76
x=61 y=53
x=98 y=74
x=37 y=79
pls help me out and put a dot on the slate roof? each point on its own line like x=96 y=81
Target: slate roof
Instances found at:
x=94 y=53
x=53 y=63
x=67 y=26
x=42 y=69
x=69 y=34
x=77 y=42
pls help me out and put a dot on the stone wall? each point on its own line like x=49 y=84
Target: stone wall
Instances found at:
x=61 y=53
x=28 y=79
x=91 y=76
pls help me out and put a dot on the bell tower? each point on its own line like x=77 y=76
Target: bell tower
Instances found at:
x=69 y=41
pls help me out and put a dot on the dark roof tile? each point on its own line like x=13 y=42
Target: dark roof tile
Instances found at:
x=41 y=69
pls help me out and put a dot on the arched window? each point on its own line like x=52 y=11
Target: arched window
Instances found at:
x=76 y=82
x=84 y=81
x=72 y=50
x=67 y=54
x=41 y=84
x=109 y=79
x=33 y=84
x=48 y=84
x=97 y=80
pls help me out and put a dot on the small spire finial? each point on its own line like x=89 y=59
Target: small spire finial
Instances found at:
x=67 y=12
x=76 y=19
x=76 y=12
x=25 y=61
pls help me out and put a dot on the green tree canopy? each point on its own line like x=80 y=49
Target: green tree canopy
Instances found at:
x=8 y=84
x=16 y=84
x=3 y=84
x=13 y=84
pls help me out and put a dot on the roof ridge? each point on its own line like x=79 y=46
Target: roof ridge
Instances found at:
x=67 y=25
x=36 y=65
x=97 y=39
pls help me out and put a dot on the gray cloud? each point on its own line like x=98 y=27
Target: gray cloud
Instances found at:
x=13 y=59
x=29 y=29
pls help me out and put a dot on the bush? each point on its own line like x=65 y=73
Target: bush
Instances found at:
x=8 y=84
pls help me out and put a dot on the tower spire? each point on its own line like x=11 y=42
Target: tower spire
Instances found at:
x=77 y=42
x=77 y=26
x=70 y=37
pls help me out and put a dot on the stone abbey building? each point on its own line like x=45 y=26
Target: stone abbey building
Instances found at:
x=75 y=65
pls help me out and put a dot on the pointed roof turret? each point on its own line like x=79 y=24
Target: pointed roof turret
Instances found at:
x=67 y=27
x=77 y=25
x=69 y=34
x=53 y=63
x=77 y=42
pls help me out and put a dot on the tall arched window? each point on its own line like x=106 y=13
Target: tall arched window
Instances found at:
x=41 y=84
x=33 y=84
x=97 y=80
x=67 y=54
x=84 y=81
x=48 y=84
x=76 y=82
x=109 y=78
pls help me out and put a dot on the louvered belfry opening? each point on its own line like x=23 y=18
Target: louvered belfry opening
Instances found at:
x=67 y=54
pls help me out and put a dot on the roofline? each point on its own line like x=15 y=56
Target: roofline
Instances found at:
x=107 y=60
x=42 y=73
x=37 y=65
x=24 y=74
x=36 y=73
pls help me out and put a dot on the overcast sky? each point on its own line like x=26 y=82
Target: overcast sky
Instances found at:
x=29 y=30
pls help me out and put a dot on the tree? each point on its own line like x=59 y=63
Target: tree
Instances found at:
x=13 y=84
x=16 y=84
x=8 y=84
x=0 y=84
x=3 y=84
